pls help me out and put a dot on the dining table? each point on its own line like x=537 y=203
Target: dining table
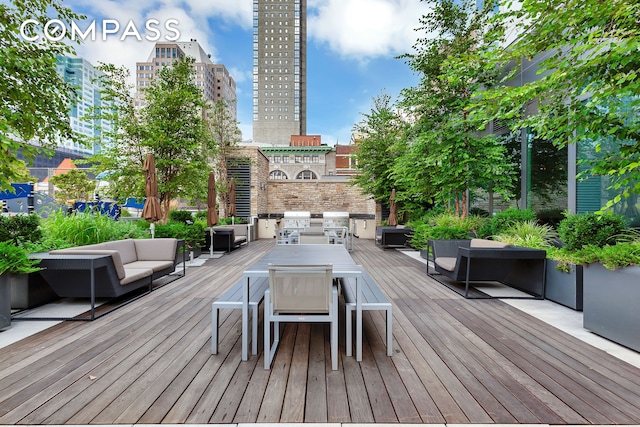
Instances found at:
x=336 y=255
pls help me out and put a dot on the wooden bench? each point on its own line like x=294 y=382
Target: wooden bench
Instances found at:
x=232 y=298
x=372 y=299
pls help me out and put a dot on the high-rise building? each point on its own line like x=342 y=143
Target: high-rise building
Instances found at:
x=279 y=70
x=214 y=79
x=83 y=76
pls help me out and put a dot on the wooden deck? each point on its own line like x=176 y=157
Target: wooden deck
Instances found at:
x=455 y=361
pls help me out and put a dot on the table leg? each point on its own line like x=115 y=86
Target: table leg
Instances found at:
x=93 y=291
x=358 y=321
x=245 y=320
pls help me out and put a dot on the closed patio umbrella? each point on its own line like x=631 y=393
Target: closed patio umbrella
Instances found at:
x=232 y=198
x=212 y=214
x=393 y=209
x=151 y=209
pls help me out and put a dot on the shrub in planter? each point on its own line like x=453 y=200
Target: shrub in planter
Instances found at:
x=20 y=229
x=193 y=234
x=15 y=260
x=88 y=228
x=611 y=292
x=529 y=234
x=579 y=230
x=181 y=216
x=501 y=221
x=443 y=226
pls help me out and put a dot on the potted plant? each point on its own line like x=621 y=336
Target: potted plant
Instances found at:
x=14 y=266
x=443 y=226
x=565 y=265
x=612 y=292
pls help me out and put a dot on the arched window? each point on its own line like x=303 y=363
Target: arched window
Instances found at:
x=306 y=175
x=278 y=174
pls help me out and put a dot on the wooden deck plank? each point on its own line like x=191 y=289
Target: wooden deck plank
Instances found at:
x=455 y=361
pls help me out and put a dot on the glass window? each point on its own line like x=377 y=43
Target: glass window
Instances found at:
x=306 y=175
x=278 y=174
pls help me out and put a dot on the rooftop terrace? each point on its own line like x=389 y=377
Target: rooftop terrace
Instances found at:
x=455 y=361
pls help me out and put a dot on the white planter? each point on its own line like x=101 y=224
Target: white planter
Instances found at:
x=612 y=303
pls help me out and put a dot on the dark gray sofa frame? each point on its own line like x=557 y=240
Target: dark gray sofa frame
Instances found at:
x=94 y=276
x=390 y=235
x=518 y=267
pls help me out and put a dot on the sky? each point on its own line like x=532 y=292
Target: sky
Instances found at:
x=352 y=47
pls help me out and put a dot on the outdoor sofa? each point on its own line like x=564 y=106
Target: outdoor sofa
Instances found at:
x=115 y=267
x=228 y=237
x=487 y=260
x=392 y=235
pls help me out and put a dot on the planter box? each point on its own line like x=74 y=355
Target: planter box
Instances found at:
x=564 y=288
x=30 y=290
x=5 y=301
x=611 y=301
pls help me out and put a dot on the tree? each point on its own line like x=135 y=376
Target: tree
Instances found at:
x=225 y=137
x=447 y=155
x=381 y=129
x=588 y=85
x=34 y=99
x=73 y=185
x=122 y=154
x=174 y=131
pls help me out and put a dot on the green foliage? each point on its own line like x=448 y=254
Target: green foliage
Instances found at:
x=170 y=126
x=529 y=234
x=587 y=93
x=123 y=157
x=184 y=217
x=445 y=154
x=580 y=230
x=501 y=221
x=442 y=225
x=20 y=229
x=34 y=98
x=86 y=228
x=201 y=215
x=15 y=260
x=225 y=136
x=73 y=185
x=614 y=256
x=193 y=234
x=175 y=132
x=381 y=131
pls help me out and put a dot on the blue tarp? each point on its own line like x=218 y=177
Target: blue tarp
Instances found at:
x=132 y=202
x=21 y=190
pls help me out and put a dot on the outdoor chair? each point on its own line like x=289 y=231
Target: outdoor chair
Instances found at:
x=281 y=238
x=341 y=236
x=300 y=293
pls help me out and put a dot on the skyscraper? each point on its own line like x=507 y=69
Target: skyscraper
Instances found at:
x=84 y=78
x=279 y=70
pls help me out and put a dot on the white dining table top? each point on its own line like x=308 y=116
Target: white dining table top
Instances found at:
x=337 y=255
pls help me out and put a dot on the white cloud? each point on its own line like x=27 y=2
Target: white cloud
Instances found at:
x=130 y=50
x=365 y=28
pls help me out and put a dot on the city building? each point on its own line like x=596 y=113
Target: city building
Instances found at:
x=279 y=70
x=304 y=158
x=85 y=78
x=214 y=79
